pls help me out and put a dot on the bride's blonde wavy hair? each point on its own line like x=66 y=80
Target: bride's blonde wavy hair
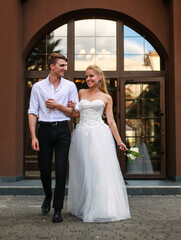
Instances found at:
x=95 y=68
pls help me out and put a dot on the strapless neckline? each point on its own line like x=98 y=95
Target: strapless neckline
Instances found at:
x=93 y=100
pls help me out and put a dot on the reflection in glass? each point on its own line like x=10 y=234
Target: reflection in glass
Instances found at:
x=148 y=47
x=106 y=62
x=55 y=41
x=108 y=43
x=133 y=91
x=84 y=45
x=60 y=47
x=145 y=62
x=147 y=108
x=103 y=61
x=134 y=62
x=85 y=28
x=95 y=45
x=82 y=62
x=134 y=45
x=61 y=31
x=128 y=32
x=139 y=54
x=105 y=28
x=143 y=128
x=112 y=90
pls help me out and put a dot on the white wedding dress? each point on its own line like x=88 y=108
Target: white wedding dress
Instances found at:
x=96 y=191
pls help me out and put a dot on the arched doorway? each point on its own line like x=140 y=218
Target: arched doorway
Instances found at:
x=135 y=77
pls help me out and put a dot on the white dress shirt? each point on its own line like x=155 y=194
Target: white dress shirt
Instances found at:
x=43 y=90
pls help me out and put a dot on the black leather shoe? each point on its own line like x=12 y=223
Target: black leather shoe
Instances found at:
x=57 y=217
x=45 y=208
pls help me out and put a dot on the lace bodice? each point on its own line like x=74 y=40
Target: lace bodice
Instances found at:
x=91 y=111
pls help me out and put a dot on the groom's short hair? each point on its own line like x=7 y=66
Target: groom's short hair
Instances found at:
x=52 y=59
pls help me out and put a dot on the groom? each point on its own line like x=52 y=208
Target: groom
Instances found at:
x=53 y=131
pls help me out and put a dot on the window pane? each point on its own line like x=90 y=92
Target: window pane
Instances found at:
x=96 y=45
x=134 y=90
x=103 y=61
x=55 y=41
x=105 y=28
x=85 y=27
x=106 y=62
x=84 y=45
x=143 y=126
x=133 y=45
x=82 y=61
x=57 y=44
x=139 y=54
x=142 y=100
x=128 y=32
x=106 y=45
x=61 y=31
x=133 y=62
x=37 y=62
x=152 y=57
x=148 y=47
x=150 y=150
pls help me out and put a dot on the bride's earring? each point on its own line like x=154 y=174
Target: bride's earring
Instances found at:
x=99 y=84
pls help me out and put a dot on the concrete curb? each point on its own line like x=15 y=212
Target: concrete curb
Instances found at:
x=131 y=190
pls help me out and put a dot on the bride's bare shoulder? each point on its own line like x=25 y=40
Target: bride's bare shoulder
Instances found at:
x=82 y=92
x=107 y=97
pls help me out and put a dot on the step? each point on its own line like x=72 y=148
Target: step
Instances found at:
x=134 y=187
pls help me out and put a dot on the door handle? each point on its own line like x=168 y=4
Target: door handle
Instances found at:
x=161 y=113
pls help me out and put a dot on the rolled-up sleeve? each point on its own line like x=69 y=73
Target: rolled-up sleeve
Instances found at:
x=74 y=95
x=34 y=103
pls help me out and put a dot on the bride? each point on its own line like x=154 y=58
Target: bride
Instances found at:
x=96 y=191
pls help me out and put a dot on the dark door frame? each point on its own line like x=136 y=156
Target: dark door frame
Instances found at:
x=121 y=125
x=121 y=77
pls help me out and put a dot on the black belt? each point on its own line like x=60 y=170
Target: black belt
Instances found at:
x=52 y=123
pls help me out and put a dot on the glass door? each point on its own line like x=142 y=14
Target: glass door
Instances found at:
x=144 y=126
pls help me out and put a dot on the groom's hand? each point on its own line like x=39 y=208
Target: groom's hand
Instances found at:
x=51 y=103
x=35 y=144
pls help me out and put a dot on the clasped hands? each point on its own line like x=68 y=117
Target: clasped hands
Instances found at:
x=52 y=104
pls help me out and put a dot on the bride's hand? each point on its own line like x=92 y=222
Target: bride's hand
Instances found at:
x=122 y=146
x=71 y=104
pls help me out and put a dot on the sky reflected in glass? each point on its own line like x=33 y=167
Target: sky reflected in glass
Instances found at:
x=95 y=43
x=139 y=54
x=61 y=31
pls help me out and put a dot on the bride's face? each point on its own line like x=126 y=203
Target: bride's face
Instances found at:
x=92 y=78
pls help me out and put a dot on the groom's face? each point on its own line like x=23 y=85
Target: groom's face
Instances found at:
x=59 y=67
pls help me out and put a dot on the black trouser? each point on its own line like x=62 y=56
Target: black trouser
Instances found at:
x=54 y=137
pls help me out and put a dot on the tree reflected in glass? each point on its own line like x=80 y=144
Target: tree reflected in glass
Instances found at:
x=38 y=59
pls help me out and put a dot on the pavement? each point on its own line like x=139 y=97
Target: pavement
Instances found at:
x=154 y=217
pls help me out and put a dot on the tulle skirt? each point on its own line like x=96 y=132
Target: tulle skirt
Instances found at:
x=96 y=191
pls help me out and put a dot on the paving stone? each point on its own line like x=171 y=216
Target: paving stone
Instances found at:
x=153 y=218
